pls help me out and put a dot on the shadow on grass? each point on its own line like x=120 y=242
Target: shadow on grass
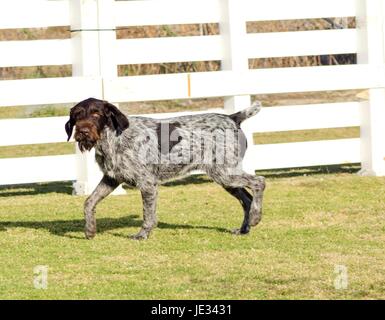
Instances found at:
x=310 y=171
x=63 y=227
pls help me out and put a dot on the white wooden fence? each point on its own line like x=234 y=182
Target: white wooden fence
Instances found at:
x=94 y=53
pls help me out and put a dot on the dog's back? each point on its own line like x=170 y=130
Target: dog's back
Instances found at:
x=176 y=146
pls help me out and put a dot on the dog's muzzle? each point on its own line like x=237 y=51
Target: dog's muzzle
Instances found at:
x=85 y=144
x=86 y=135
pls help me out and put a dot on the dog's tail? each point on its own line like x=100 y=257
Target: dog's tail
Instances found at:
x=241 y=116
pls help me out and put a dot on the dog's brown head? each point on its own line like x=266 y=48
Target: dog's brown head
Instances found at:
x=90 y=117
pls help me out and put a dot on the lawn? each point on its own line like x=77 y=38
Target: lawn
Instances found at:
x=313 y=221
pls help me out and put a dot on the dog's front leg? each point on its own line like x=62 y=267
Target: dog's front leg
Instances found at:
x=104 y=188
x=149 y=197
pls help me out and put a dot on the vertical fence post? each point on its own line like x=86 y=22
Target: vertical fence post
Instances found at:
x=107 y=48
x=107 y=39
x=371 y=50
x=85 y=48
x=93 y=40
x=233 y=31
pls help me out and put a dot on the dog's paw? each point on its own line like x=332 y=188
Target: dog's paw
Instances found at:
x=240 y=232
x=255 y=216
x=255 y=219
x=90 y=229
x=90 y=235
x=139 y=236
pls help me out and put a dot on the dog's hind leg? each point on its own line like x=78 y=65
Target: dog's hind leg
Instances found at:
x=149 y=198
x=242 y=180
x=104 y=188
x=245 y=199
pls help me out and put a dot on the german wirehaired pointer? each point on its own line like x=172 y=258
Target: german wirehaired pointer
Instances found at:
x=143 y=152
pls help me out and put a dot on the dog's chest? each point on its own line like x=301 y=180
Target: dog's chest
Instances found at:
x=110 y=161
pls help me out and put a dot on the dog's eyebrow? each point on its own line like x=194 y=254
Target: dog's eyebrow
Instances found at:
x=77 y=111
x=94 y=109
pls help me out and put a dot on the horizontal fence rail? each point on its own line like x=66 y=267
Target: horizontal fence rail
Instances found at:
x=34 y=14
x=228 y=83
x=32 y=131
x=157 y=50
x=269 y=10
x=48 y=91
x=39 y=53
x=315 y=153
x=259 y=45
x=150 y=13
x=301 y=43
x=168 y=12
x=38 y=169
x=306 y=117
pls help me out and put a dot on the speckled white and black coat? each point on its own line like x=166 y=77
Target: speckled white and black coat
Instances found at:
x=150 y=151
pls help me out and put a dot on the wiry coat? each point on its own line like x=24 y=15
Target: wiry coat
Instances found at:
x=146 y=152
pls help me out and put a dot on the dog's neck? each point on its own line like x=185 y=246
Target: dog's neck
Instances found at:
x=108 y=139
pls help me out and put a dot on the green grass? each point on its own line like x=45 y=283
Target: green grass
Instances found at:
x=311 y=224
x=35 y=150
x=34 y=111
x=306 y=135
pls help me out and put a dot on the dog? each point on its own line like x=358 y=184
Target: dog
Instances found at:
x=144 y=152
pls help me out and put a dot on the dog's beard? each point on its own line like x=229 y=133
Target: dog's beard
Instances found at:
x=86 y=144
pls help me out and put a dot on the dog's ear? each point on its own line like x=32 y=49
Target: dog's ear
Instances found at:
x=69 y=126
x=119 y=120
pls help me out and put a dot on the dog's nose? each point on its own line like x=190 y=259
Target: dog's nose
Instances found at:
x=84 y=131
